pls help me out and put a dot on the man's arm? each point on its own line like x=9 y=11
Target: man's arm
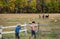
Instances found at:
x=20 y=27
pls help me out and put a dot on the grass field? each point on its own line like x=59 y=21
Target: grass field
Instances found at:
x=39 y=35
x=14 y=19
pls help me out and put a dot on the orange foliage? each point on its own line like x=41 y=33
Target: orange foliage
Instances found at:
x=12 y=6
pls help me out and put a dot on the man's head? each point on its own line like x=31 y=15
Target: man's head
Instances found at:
x=18 y=25
x=33 y=21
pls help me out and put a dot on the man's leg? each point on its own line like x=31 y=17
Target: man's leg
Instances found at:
x=34 y=35
x=31 y=35
x=17 y=35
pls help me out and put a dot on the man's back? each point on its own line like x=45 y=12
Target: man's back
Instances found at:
x=17 y=29
x=33 y=27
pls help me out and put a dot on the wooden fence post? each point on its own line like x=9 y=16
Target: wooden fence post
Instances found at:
x=0 y=31
x=25 y=29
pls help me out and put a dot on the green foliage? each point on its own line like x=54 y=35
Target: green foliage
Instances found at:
x=53 y=6
x=25 y=6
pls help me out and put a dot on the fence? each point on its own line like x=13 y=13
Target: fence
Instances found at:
x=24 y=25
x=0 y=32
x=25 y=29
x=13 y=27
x=1 y=28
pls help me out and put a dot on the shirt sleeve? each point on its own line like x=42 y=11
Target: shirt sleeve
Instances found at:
x=20 y=27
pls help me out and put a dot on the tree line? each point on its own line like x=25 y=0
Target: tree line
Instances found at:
x=29 y=6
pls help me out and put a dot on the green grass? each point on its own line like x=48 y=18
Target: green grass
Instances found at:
x=55 y=23
x=38 y=35
x=22 y=20
x=7 y=21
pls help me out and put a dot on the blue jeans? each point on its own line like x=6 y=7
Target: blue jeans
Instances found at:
x=33 y=33
x=17 y=35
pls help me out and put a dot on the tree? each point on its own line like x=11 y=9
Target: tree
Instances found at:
x=1 y=6
x=53 y=6
x=38 y=5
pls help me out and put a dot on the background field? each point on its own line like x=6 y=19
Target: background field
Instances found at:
x=14 y=19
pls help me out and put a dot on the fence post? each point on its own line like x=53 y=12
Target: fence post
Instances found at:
x=38 y=31
x=25 y=29
x=0 y=31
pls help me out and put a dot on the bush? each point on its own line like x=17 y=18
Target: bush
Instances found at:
x=53 y=6
x=30 y=6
